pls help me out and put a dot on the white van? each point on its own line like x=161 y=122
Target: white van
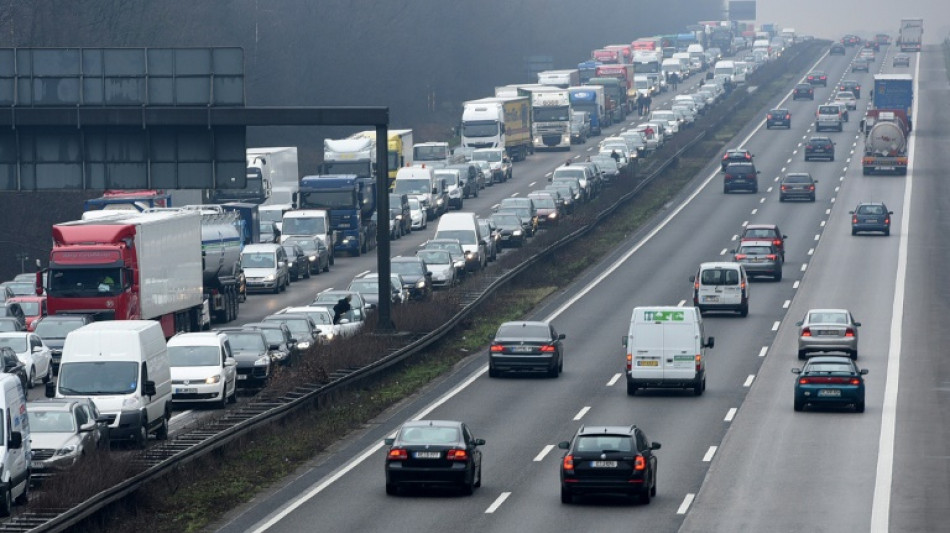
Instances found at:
x=671 y=65
x=306 y=223
x=464 y=227
x=666 y=348
x=203 y=368
x=122 y=365
x=721 y=286
x=419 y=182
x=725 y=70
x=15 y=449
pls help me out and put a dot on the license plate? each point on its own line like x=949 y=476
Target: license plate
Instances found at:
x=603 y=464
x=829 y=393
x=241 y=376
x=710 y=298
x=648 y=363
x=522 y=349
x=427 y=455
x=827 y=332
x=185 y=390
x=871 y=220
x=886 y=168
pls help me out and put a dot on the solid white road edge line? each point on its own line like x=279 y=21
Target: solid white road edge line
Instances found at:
x=544 y=451
x=580 y=414
x=884 y=478
x=497 y=503
x=686 y=503
x=710 y=453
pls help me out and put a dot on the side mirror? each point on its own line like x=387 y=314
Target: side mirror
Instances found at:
x=564 y=445
x=230 y=361
x=864 y=371
x=429 y=275
x=561 y=337
x=692 y=279
x=389 y=441
x=784 y=236
x=50 y=390
x=796 y=371
x=16 y=440
x=890 y=212
x=711 y=342
x=624 y=340
x=150 y=388
x=88 y=426
x=479 y=442
x=655 y=446
x=799 y=323
x=850 y=212
x=815 y=181
x=371 y=306
x=273 y=346
x=857 y=324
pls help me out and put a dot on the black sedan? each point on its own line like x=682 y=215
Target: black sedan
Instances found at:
x=436 y=453
x=318 y=255
x=297 y=262
x=819 y=148
x=510 y=228
x=526 y=346
x=797 y=185
x=778 y=117
x=414 y=272
x=817 y=77
x=803 y=91
x=830 y=380
x=609 y=459
x=851 y=85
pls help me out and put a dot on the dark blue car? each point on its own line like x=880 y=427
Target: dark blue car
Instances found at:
x=871 y=216
x=830 y=380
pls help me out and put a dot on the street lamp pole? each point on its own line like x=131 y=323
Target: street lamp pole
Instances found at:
x=22 y=257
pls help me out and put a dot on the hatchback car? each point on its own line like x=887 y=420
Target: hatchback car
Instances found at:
x=492 y=238
x=609 y=459
x=861 y=65
x=817 y=77
x=830 y=380
x=265 y=267
x=281 y=343
x=901 y=60
x=511 y=229
x=63 y=431
x=547 y=209
x=760 y=258
x=434 y=453
x=418 y=215
x=250 y=349
x=797 y=185
x=819 y=148
x=871 y=216
x=803 y=91
x=440 y=267
x=736 y=155
x=298 y=265
x=851 y=85
x=33 y=352
x=319 y=257
x=778 y=117
x=414 y=273
x=740 y=176
x=453 y=247
x=828 y=330
x=846 y=98
x=526 y=346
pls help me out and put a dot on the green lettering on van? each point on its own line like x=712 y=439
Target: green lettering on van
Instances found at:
x=664 y=316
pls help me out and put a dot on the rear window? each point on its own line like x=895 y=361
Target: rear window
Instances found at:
x=604 y=443
x=755 y=250
x=828 y=318
x=828 y=110
x=829 y=368
x=720 y=276
x=429 y=435
x=871 y=210
x=797 y=179
x=759 y=232
x=526 y=331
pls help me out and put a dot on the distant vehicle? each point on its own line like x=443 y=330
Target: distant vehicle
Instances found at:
x=817 y=77
x=836 y=50
x=609 y=459
x=439 y=453
x=740 y=176
x=819 y=147
x=851 y=85
x=202 y=368
x=803 y=91
x=846 y=98
x=829 y=116
x=63 y=432
x=760 y=258
x=413 y=271
x=861 y=65
x=526 y=347
x=871 y=216
x=797 y=185
x=901 y=60
x=734 y=155
x=35 y=355
x=828 y=330
x=721 y=286
x=778 y=117
x=769 y=232
x=830 y=380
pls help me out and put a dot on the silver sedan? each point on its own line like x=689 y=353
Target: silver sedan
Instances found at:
x=828 y=330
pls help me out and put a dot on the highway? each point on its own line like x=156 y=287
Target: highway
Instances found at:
x=738 y=457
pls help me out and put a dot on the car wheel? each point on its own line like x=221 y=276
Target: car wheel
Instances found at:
x=854 y=231
x=566 y=495
x=699 y=387
x=781 y=198
x=224 y=397
x=645 y=497
x=799 y=405
x=6 y=503
x=162 y=433
x=468 y=488
x=802 y=355
x=233 y=397
x=631 y=389
x=391 y=489
x=141 y=439
x=277 y=288
x=777 y=276
x=744 y=311
x=812 y=198
x=653 y=488
x=492 y=373
x=478 y=480
x=887 y=232
x=859 y=407
x=24 y=496
x=725 y=190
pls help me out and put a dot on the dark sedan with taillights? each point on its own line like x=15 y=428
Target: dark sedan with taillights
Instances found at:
x=434 y=453
x=609 y=459
x=830 y=380
x=526 y=346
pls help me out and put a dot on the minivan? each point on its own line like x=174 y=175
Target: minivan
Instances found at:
x=666 y=348
x=420 y=182
x=721 y=286
x=463 y=226
x=265 y=267
x=15 y=452
x=123 y=366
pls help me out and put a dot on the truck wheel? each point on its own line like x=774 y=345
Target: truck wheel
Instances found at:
x=141 y=439
x=24 y=496
x=162 y=433
x=6 y=502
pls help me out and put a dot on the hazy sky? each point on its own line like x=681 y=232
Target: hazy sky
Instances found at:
x=834 y=18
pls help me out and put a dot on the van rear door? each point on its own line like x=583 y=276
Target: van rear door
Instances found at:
x=679 y=348
x=646 y=350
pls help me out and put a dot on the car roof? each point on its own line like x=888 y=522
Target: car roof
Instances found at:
x=428 y=423
x=405 y=259
x=756 y=243
x=829 y=359
x=829 y=310
x=798 y=174
x=761 y=226
x=605 y=430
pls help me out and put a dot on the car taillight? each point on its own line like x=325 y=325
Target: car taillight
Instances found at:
x=699 y=362
x=640 y=463
x=769 y=116
x=771 y=257
x=854 y=220
x=728 y=176
x=740 y=257
x=806 y=332
x=497 y=348
x=887 y=221
x=777 y=242
x=804 y=381
x=568 y=463
x=397 y=454
x=784 y=188
x=849 y=332
x=629 y=361
x=456 y=455
x=724 y=157
x=811 y=187
x=547 y=348
x=808 y=147
x=855 y=381
x=788 y=117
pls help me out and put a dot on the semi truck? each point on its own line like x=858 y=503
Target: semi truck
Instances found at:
x=887 y=124
x=499 y=122
x=559 y=78
x=124 y=200
x=590 y=98
x=350 y=199
x=354 y=155
x=623 y=73
x=606 y=56
x=434 y=152
x=911 y=35
x=400 y=151
x=587 y=70
x=222 y=239
x=550 y=117
x=625 y=50
x=129 y=267
x=282 y=171
x=615 y=94
x=257 y=188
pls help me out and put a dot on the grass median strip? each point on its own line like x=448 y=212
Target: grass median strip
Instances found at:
x=197 y=495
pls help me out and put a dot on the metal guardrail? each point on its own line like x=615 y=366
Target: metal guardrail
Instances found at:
x=302 y=396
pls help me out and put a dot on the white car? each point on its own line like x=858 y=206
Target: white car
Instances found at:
x=668 y=117
x=203 y=368
x=32 y=352
x=322 y=317
x=684 y=113
x=418 y=214
x=847 y=98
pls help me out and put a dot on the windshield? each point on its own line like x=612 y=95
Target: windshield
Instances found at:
x=30 y=308
x=304 y=226
x=53 y=328
x=98 y=378
x=194 y=355
x=552 y=114
x=647 y=68
x=642 y=84
x=451 y=247
x=363 y=286
x=325 y=200
x=412 y=186
x=797 y=179
x=267 y=228
x=271 y=215
x=299 y=327
x=725 y=71
x=451 y=178
x=506 y=221
x=405 y=267
x=435 y=257
x=462 y=236
x=360 y=168
x=543 y=202
x=523 y=331
x=307 y=245
x=246 y=342
x=480 y=129
x=577 y=174
x=429 y=153
x=491 y=156
x=52 y=421
x=85 y=282
x=273 y=335
x=18 y=343
x=258 y=260
x=414 y=204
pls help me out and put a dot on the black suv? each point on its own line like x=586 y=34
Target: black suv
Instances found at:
x=740 y=176
x=803 y=91
x=851 y=85
x=819 y=148
x=778 y=117
x=871 y=216
x=836 y=50
x=609 y=459
x=797 y=185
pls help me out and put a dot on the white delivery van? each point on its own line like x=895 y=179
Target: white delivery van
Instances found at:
x=666 y=348
x=725 y=70
x=419 y=182
x=464 y=227
x=122 y=365
x=721 y=286
x=15 y=450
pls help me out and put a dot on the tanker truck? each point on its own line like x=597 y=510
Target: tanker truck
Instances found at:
x=222 y=239
x=887 y=125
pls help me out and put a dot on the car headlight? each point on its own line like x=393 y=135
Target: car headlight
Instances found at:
x=131 y=403
x=516 y=233
x=552 y=215
x=270 y=277
x=439 y=201
x=262 y=361
x=303 y=345
x=398 y=217
x=421 y=284
x=290 y=263
x=69 y=449
x=469 y=255
x=211 y=380
x=312 y=258
x=459 y=264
